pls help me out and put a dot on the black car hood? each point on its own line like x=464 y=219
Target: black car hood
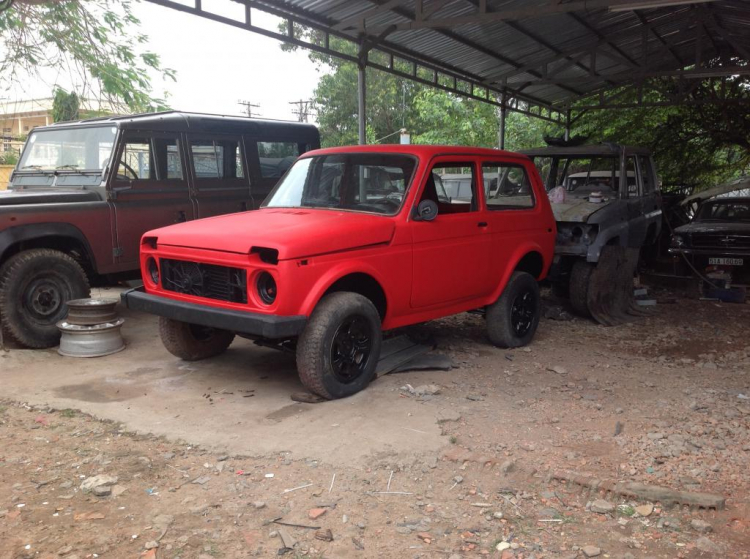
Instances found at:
x=728 y=227
x=46 y=196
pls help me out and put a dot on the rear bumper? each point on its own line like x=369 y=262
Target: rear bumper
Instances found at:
x=262 y=325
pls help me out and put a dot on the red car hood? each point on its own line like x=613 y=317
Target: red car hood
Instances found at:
x=295 y=233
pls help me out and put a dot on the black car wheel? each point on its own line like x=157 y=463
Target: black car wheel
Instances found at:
x=513 y=319
x=193 y=342
x=34 y=287
x=339 y=349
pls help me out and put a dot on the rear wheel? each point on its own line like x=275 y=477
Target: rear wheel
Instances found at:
x=580 y=278
x=338 y=351
x=192 y=342
x=513 y=319
x=34 y=287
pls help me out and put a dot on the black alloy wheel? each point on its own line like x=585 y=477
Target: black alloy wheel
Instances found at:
x=522 y=313
x=351 y=349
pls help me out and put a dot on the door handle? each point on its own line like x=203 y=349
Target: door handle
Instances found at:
x=482 y=224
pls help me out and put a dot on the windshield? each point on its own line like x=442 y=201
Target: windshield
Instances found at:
x=363 y=182
x=77 y=149
x=725 y=211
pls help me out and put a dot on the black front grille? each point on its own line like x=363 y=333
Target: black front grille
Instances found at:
x=721 y=240
x=204 y=280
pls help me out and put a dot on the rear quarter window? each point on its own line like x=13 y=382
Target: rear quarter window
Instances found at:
x=275 y=158
x=507 y=186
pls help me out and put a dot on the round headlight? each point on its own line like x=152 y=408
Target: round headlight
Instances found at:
x=266 y=288
x=153 y=270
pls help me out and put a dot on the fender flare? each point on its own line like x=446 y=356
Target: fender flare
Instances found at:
x=20 y=233
x=519 y=254
x=334 y=274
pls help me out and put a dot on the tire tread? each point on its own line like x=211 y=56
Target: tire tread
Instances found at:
x=179 y=341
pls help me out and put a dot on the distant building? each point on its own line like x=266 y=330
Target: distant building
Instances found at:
x=18 y=118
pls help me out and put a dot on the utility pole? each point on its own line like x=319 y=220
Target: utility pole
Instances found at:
x=303 y=110
x=249 y=108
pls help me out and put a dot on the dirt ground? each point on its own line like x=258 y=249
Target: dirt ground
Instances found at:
x=213 y=459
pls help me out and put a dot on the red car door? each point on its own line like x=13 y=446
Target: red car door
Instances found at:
x=511 y=204
x=450 y=252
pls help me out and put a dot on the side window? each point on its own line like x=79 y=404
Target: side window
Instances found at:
x=168 y=160
x=507 y=186
x=644 y=166
x=217 y=159
x=453 y=187
x=631 y=177
x=276 y=157
x=137 y=160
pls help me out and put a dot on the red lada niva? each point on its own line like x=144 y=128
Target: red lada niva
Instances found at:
x=351 y=242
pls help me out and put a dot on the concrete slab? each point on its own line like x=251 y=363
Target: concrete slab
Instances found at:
x=238 y=402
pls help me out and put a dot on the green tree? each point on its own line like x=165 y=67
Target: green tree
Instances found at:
x=698 y=144
x=65 y=106
x=95 y=41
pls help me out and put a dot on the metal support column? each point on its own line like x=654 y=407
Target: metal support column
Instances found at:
x=362 y=93
x=567 y=125
x=503 y=117
x=362 y=104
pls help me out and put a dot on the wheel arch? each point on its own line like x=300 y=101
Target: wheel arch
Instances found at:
x=64 y=237
x=528 y=257
x=363 y=282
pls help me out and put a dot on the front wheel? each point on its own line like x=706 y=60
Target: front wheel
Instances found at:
x=512 y=320
x=339 y=348
x=34 y=287
x=192 y=342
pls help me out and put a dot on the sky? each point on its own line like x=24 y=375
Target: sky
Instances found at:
x=216 y=64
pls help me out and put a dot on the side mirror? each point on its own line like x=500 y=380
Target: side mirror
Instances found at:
x=427 y=210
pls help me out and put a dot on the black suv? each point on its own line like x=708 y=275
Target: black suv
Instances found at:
x=83 y=193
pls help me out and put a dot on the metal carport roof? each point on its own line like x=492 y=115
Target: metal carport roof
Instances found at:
x=548 y=54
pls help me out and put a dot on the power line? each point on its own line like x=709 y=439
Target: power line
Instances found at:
x=304 y=109
x=249 y=108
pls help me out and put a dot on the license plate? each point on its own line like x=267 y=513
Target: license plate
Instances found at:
x=726 y=261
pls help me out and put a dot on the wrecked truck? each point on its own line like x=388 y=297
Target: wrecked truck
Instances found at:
x=607 y=207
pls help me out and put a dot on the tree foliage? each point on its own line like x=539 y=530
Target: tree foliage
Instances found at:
x=698 y=144
x=65 y=106
x=94 y=41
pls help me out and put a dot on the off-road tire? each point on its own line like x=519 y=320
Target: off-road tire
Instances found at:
x=580 y=277
x=500 y=323
x=193 y=343
x=51 y=272
x=315 y=345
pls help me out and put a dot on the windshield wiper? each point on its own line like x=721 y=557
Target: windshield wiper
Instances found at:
x=68 y=166
x=31 y=167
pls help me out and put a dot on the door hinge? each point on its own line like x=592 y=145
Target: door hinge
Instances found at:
x=117 y=252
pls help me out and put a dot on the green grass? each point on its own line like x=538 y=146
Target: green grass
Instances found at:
x=453 y=439
x=68 y=413
x=625 y=510
x=3 y=409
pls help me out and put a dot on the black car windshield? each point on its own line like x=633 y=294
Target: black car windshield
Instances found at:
x=87 y=148
x=363 y=182
x=725 y=210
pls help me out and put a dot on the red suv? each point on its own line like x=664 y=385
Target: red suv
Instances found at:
x=353 y=241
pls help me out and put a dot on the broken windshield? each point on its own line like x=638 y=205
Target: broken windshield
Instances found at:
x=87 y=148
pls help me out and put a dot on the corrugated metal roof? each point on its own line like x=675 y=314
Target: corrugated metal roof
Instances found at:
x=545 y=56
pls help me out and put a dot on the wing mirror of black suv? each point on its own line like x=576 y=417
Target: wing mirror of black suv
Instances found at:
x=427 y=210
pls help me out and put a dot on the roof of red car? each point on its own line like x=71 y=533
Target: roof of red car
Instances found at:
x=418 y=150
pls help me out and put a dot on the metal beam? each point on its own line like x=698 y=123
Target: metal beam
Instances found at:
x=625 y=78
